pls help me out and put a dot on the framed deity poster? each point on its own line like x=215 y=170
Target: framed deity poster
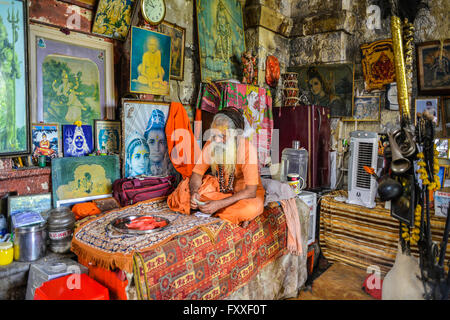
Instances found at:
x=428 y=106
x=45 y=140
x=445 y=114
x=178 y=36
x=378 y=64
x=366 y=108
x=73 y=78
x=328 y=85
x=83 y=177
x=150 y=62
x=77 y=140
x=221 y=39
x=433 y=67
x=14 y=111
x=112 y=18
x=107 y=136
x=144 y=150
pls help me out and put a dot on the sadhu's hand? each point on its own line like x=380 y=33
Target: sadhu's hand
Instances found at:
x=194 y=204
x=211 y=207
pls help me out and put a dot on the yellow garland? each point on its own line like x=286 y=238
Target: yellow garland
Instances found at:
x=413 y=236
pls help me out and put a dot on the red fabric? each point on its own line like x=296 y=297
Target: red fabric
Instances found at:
x=181 y=144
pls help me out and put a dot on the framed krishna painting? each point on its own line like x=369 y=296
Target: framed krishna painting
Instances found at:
x=72 y=77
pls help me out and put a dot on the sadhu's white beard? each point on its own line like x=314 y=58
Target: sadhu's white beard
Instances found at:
x=225 y=155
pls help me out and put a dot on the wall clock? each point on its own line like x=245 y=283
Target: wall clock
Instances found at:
x=153 y=11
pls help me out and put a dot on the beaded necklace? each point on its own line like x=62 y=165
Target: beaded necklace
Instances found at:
x=223 y=188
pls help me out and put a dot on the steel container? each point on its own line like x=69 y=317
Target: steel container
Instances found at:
x=30 y=242
x=60 y=225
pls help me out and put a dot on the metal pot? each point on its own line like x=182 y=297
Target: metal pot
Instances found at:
x=30 y=242
x=60 y=225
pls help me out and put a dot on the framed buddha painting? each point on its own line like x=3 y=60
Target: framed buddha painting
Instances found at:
x=150 y=62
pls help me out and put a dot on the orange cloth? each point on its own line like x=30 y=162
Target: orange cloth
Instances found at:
x=246 y=173
x=82 y=210
x=181 y=144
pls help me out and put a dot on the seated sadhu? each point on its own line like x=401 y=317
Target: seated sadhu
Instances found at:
x=234 y=191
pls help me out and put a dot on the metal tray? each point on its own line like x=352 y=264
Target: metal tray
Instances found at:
x=119 y=224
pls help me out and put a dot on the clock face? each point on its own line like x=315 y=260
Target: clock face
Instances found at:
x=153 y=11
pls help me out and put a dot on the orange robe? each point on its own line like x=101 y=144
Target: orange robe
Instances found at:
x=246 y=173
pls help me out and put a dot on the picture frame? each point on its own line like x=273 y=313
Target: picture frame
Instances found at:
x=442 y=148
x=432 y=77
x=143 y=130
x=445 y=115
x=150 y=62
x=431 y=104
x=45 y=138
x=391 y=97
x=107 y=135
x=113 y=18
x=71 y=202
x=65 y=72
x=83 y=177
x=378 y=64
x=221 y=39
x=77 y=140
x=40 y=203
x=14 y=95
x=177 y=46
x=329 y=85
x=88 y=4
x=366 y=108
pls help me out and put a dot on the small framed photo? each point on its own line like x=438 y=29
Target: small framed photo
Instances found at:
x=433 y=60
x=107 y=136
x=427 y=106
x=178 y=35
x=77 y=140
x=391 y=97
x=445 y=115
x=45 y=140
x=366 y=108
x=40 y=203
x=442 y=148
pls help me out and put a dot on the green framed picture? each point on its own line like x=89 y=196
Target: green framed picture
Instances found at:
x=14 y=112
x=83 y=177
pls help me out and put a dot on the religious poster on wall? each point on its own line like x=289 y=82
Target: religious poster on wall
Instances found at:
x=45 y=140
x=83 y=177
x=145 y=149
x=112 y=18
x=328 y=85
x=433 y=67
x=77 y=140
x=150 y=62
x=378 y=64
x=221 y=39
x=178 y=35
x=14 y=128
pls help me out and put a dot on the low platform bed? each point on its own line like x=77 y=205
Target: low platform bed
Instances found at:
x=195 y=258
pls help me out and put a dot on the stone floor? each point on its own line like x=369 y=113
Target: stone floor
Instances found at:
x=335 y=282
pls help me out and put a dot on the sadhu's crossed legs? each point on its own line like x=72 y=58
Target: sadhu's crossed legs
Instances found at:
x=242 y=210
